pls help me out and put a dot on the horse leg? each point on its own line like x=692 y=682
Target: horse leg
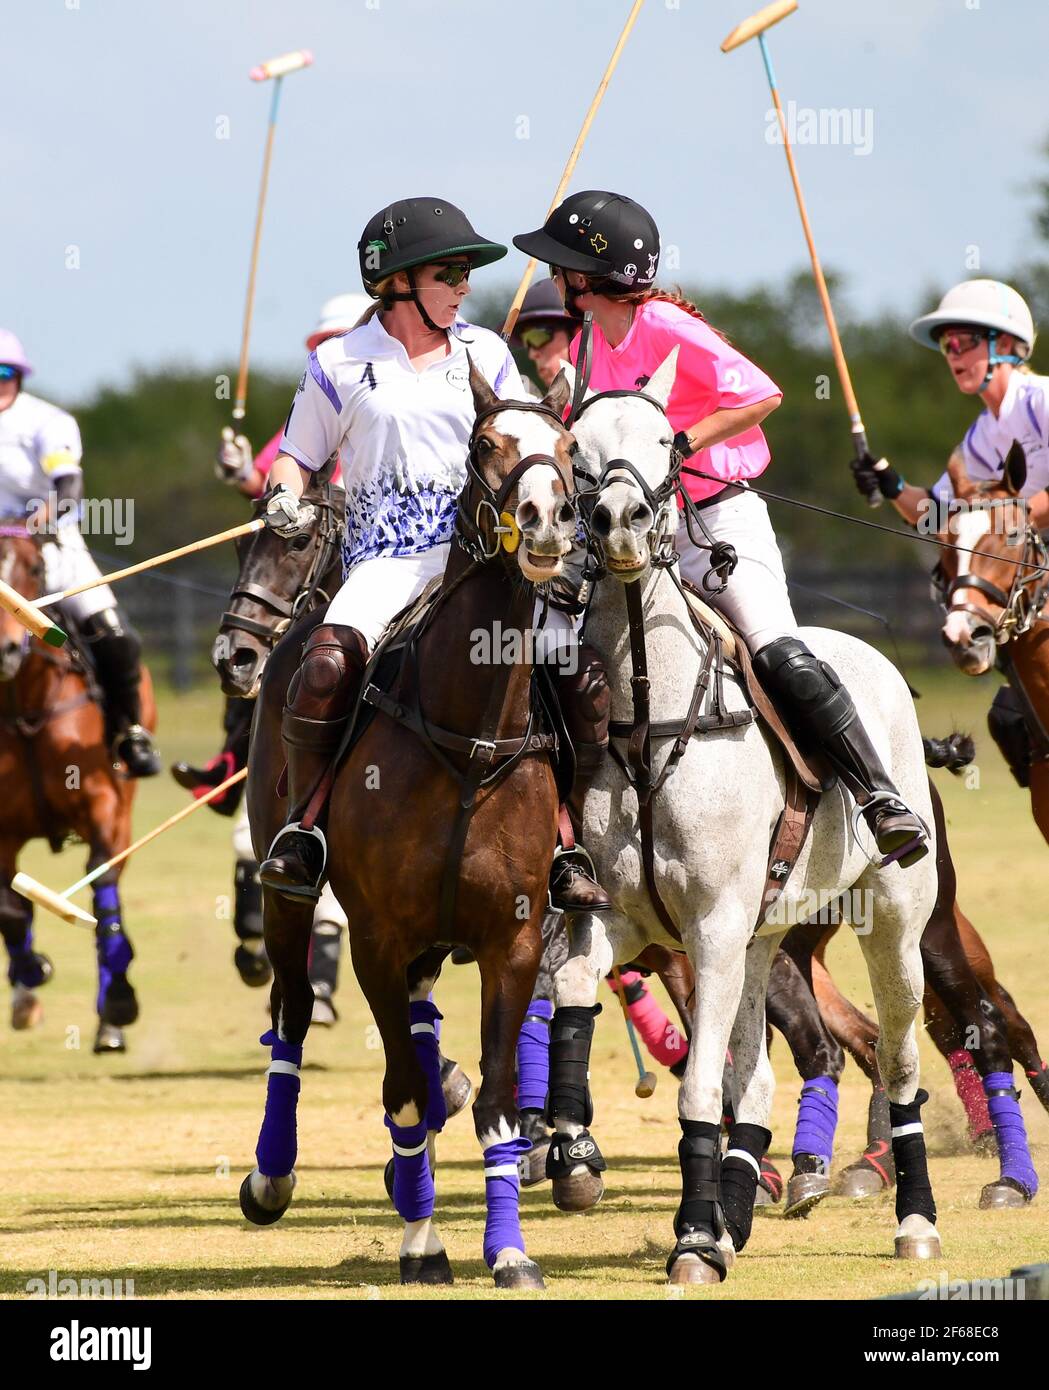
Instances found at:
x=950 y=1043
x=894 y=964
x=574 y=1162
x=325 y=950
x=116 y=1004
x=27 y=969
x=754 y=1087
x=792 y=1008
x=249 y=955
x=265 y=1193
x=717 y=950
x=1022 y=1043
x=507 y=982
x=951 y=976
x=1039 y=785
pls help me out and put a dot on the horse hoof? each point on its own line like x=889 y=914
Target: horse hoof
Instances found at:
x=689 y=1269
x=324 y=1015
x=456 y=1086
x=531 y=1167
x=253 y=967
x=26 y=1010
x=804 y=1192
x=859 y=1182
x=426 y=1269
x=274 y=1188
x=109 y=1038
x=1002 y=1194
x=120 y=1006
x=523 y=1276
x=763 y=1197
x=578 y=1191
x=917 y=1239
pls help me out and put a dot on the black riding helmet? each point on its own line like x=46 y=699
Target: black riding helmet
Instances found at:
x=414 y=232
x=542 y=308
x=604 y=235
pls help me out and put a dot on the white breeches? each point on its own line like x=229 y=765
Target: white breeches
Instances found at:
x=67 y=563
x=756 y=599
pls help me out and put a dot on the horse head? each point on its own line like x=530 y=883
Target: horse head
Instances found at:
x=277 y=580
x=626 y=445
x=22 y=567
x=990 y=563
x=519 y=450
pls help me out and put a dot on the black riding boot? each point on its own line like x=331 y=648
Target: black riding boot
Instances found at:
x=115 y=649
x=320 y=698
x=585 y=703
x=236 y=723
x=821 y=713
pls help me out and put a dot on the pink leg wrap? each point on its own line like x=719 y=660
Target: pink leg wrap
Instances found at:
x=970 y=1090
x=665 y=1043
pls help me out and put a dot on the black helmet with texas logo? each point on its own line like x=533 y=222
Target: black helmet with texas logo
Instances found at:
x=604 y=235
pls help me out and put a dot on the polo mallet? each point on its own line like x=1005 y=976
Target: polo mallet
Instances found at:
x=246 y=528
x=28 y=614
x=277 y=69
x=59 y=903
x=755 y=27
x=526 y=278
x=646 y=1080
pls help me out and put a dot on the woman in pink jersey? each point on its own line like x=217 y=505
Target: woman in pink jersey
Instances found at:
x=603 y=253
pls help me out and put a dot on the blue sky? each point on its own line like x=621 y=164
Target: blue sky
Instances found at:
x=110 y=110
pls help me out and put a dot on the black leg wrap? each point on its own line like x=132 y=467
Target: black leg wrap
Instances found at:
x=247 y=900
x=913 y=1189
x=566 y=1153
x=571 y=1033
x=739 y=1179
x=699 y=1223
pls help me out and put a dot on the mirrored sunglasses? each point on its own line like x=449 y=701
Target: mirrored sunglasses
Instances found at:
x=452 y=273
x=955 y=344
x=536 y=338
x=6 y=372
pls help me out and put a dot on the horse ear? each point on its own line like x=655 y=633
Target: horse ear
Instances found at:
x=961 y=484
x=661 y=382
x=483 y=394
x=1015 y=474
x=560 y=391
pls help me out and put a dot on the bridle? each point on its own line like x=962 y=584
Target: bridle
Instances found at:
x=328 y=535
x=1026 y=598
x=483 y=541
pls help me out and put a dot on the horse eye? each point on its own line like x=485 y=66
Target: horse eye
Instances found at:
x=300 y=542
x=484 y=444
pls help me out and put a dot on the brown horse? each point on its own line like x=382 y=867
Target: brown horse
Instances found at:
x=994 y=566
x=59 y=781
x=440 y=833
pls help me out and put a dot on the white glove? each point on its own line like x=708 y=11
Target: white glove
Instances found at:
x=233 y=462
x=286 y=514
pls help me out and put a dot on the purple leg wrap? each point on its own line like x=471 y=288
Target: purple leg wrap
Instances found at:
x=114 y=949
x=1004 y=1106
x=437 y=1019
x=412 y=1182
x=23 y=967
x=817 y=1118
x=533 y=1056
x=277 y=1146
x=424 y=1020
x=502 y=1191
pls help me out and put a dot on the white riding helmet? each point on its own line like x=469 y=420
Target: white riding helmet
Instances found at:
x=986 y=304
x=338 y=315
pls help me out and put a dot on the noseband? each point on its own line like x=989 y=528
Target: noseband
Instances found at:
x=503 y=532
x=1026 y=598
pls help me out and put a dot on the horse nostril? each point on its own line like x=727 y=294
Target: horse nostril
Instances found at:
x=527 y=515
x=566 y=514
x=639 y=517
x=601 y=521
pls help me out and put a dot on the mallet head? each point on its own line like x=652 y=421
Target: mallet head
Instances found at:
x=280 y=67
x=758 y=23
x=646 y=1085
x=47 y=898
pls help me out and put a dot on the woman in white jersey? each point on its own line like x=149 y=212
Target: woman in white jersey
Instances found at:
x=393 y=399
x=41 y=481
x=985 y=331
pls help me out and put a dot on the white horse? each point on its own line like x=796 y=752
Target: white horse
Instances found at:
x=713 y=820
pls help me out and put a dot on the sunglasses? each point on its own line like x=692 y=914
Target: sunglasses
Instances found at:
x=955 y=344
x=6 y=372
x=452 y=273
x=536 y=338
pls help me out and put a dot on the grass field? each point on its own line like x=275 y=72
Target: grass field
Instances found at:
x=128 y=1167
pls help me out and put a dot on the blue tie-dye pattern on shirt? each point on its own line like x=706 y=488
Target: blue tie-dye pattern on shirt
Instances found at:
x=381 y=519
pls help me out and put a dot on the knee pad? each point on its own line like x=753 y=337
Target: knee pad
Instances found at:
x=331 y=653
x=586 y=699
x=809 y=689
x=1008 y=727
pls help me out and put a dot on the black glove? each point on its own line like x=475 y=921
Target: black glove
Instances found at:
x=876 y=476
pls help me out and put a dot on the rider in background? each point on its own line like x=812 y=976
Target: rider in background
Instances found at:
x=545 y=329
x=985 y=332
x=42 y=480
x=603 y=250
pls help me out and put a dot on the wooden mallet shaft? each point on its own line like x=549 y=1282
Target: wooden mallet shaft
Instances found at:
x=28 y=614
x=569 y=170
x=244 y=529
x=59 y=903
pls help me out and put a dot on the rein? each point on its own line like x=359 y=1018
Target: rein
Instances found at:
x=1024 y=602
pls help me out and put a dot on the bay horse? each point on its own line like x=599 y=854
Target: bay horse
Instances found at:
x=711 y=826
x=995 y=585
x=59 y=781
x=439 y=834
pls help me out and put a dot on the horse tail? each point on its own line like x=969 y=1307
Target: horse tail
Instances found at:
x=954 y=752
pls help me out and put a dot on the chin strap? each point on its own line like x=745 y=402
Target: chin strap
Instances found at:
x=413 y=294
x=994 y=358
